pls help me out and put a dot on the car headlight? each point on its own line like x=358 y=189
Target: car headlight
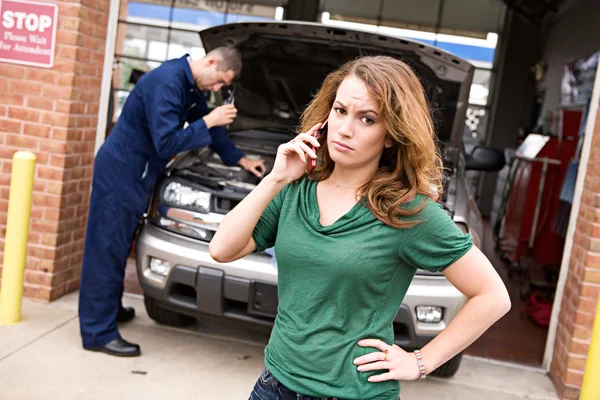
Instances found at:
x=429 y=314
x=185 y=196
x=159 y=267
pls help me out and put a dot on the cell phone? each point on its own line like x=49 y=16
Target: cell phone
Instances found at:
x=312 y=162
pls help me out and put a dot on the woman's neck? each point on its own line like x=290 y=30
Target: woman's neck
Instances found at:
x=351 y=178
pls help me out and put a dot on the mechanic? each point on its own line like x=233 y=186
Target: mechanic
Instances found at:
x=149 y=132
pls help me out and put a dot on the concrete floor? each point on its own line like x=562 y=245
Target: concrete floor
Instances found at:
x=41 y=358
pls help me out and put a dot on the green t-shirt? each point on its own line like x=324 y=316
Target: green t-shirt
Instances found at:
x=342 y=283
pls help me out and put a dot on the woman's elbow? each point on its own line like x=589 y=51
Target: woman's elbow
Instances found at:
x=217 y=252
x=503 y=302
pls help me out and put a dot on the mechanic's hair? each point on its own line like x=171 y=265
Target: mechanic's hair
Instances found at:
x=229 y=59
x=413 y=164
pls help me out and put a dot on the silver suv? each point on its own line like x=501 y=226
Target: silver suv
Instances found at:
x=284 y=64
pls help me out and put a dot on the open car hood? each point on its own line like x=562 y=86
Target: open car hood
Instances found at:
x=285 y=63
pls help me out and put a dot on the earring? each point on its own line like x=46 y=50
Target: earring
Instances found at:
x=388 y=145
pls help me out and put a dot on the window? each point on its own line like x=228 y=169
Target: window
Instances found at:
x=153 y=31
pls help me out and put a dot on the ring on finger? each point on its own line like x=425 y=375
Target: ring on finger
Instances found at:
x=387 y=356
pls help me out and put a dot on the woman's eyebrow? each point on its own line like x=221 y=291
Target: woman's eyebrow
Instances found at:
x=361 y=111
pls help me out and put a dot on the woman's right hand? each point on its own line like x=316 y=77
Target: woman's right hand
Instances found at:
x=290 y=162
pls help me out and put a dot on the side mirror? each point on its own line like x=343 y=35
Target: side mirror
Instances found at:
x=484 y=158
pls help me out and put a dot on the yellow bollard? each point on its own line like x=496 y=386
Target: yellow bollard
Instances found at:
x=590 y=389
x=17 y=233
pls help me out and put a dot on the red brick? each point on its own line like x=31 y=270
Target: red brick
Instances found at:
x=69 y=52
x=58 y=160
x=84 y=55
x=12 y=71
x=13 y=98
x=38 y=278
x=25 y=87
x=36 y=292
x=97 y=57
x=596 y=231
x=584 y=319
x=578 y=347
x=574 y=377
x=63 y=65
x=57 y=92
x=24 y=114
x=590 y=290
x=7 y=125
x=593 y=259
x=582 y=333
x=41 y=75
x=47 y=227
x=44 y=103
x=55 y=174
x=576 y=362
x=592 y=275
x=68 y=37
x=71 y=24
x=47 y=200
x=38 y=130
x=55 y=119
x=22 y=142
x=52 y=214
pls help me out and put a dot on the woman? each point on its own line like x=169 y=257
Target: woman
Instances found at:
x=350 y=236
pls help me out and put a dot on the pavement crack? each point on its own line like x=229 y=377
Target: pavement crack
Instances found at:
x=38 y=338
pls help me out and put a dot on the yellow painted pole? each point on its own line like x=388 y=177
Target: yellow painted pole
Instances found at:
x=17 y=233
x=590 y=389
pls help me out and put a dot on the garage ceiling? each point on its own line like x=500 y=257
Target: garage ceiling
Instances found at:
x=467 y=17
x=464 y=17
x=535 y=11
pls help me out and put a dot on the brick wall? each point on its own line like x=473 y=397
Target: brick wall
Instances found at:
x=53 y=112
x=582 y=287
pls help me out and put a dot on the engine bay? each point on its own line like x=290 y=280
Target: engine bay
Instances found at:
x=204 y=166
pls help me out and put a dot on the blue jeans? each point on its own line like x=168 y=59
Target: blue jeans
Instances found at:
x=269 y=388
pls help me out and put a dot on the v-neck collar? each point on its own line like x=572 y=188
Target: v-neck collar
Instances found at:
x=357 y=215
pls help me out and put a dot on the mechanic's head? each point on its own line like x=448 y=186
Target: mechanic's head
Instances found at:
x=378 y=118
x=217 y=68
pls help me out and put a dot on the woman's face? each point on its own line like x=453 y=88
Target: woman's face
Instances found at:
x=355 y=134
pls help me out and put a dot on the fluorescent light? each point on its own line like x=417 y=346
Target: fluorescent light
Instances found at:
x=278 y=13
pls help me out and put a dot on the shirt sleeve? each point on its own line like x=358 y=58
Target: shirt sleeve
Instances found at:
x=436 y=242
x=265 y=231
x=165 y=108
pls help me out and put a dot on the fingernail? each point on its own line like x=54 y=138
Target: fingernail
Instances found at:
x=355 y=361
x=359 y=368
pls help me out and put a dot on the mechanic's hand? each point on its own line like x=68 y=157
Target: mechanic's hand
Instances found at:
x=257 y=167
x=290 y=162
x=220 y=116
x=402 y=365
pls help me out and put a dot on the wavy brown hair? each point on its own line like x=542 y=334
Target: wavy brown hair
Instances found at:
x=413 y=164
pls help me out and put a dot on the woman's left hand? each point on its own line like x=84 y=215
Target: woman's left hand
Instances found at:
x=402 y=365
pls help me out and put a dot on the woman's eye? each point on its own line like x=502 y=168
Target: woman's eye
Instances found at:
x=340 y=111
x=367 y=120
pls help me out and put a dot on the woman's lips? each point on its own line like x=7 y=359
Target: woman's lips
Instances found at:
x=342 y=147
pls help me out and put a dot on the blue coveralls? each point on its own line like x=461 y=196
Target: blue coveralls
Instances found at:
x=148 y=133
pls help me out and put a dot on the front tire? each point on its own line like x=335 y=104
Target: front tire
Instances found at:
x=449 y=368
x=164 y=316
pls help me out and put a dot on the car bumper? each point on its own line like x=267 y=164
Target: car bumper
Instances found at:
x=246 y=289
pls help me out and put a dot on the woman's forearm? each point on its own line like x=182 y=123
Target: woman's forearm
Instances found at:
x=235 y=231
x=472 y=321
